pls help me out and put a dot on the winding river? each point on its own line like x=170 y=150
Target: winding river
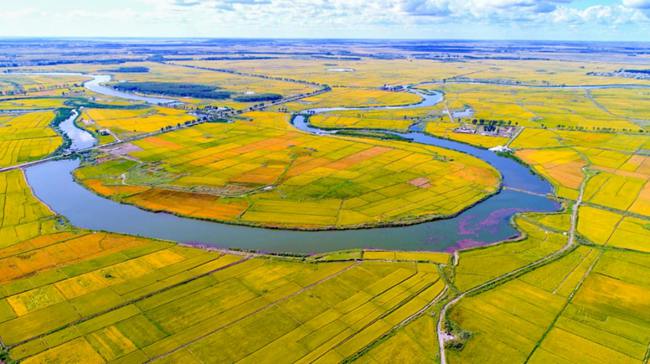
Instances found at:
x=484 y=223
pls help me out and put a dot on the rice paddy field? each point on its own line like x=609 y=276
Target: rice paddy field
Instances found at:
x=20 y=83
x=569 y=289
x=588 y=306
x=22 y=216
x=546 y=107
x=354 y=97
x=127 y=123
x=391 y=119
x=27 y=103
x=619 y=160
x=367 y=72
x=446 y=130
x=261 y=171
x=27 y=137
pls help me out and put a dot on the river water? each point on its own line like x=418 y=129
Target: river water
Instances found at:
x=484 y=223
x=80 y=139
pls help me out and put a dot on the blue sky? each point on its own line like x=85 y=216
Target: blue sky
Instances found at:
x=469 y=19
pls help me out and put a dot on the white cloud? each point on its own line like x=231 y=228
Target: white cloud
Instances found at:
x=345 y=18
x=599 y=14
x=637 y=4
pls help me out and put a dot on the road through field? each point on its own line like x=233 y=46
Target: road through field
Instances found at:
x=444 y=336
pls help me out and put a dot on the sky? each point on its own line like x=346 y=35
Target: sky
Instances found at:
x=600 y=20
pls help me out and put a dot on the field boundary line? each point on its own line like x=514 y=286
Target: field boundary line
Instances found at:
x=129 y=302
x=382 y=316
x=386 y=289
x=261 y=309
x=397 y=327
x=564 y=307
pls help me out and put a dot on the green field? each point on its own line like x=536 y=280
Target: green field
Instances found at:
x=261 y=171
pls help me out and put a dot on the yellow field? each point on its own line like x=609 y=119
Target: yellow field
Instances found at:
x=21 y=103
x=562 y=167
x=618 y=102
x=374 y=72
x=22 y=216
x=433 y=257
x=27 y=137
x=354 y=97
x=172 y=73
x=602 y=322
x=70 y=295
x=446 y=130
x=334 y=121
x=34 y=83
x=125 y=123
x=387 y=119
x=98 y=297
x=535 y=107
x=615 y=191
x=264 y=172
x=631 y=233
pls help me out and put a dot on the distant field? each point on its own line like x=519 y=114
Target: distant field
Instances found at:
x=18 y=83
x=167 y=73
x=353 y=97
x=27 y=137
x=374 y=119
x=264 y=172
x=446 y=130
x=375 y=72
x=543 y=107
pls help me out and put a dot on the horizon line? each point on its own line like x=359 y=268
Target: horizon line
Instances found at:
x=54 y=37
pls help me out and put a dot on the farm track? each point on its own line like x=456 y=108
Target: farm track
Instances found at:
x=399 y=326
x=442 y=334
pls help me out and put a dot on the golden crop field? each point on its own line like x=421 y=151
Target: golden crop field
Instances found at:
x=586 y=306
x=354 y=97
x=174 y=73
x=129 y=122
x=388 y=119
x=368 y=72
x=80 y=296
x=618 y=102
x=27 y=103
x=27 y=137
x=264 y=172
x=22 y=216
x=537 y=107
x=35 y=83
x=446 y=130
x=135 y=300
